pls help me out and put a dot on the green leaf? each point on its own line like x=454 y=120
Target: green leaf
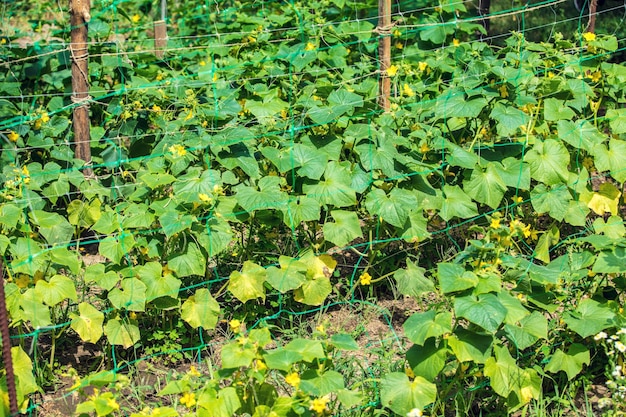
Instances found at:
x=56 y=290
x=485 y=185
x=548 y=238
x=485 y=310
x=192 y=262
x=548 y=162
x=402 y=395
x=308 y=349
x=53 y=227
x=34 y=310
x=611 y=159
x=235 y=355
x=589 y=318
x=301 y=209
x=393 y=209
x=422 y=326
x=289 y=276
x=248 y=284
x=124 y=333
x=24 y=376
x=429 y=360
x=319 y=384
x=282 y=359
x=617 y=120
x=157 y=284
x=457 y=204
x=344 y=101
x=317 y=285
x=571 y=362
x=506 y=377
x=611 y=261
x=104 y=280
x=312 y=162
x=131 y=296
x=344 y=230
x=412 y=282
x=469 y=346
x=555 y=109
x=580 y=134
x=453 y=103
x=554 y=201
x=116 y=248
x=107 y=223
x=343 y=341
x=335 y=189
x=514 y=173
x=454 y=277
x=87 y=323
x=509 y=119
x=200 y=310
x=265 y=110
x=613 y=227
x=216 y=237
x=531 y=328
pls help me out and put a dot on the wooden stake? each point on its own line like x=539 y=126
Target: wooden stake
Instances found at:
x=160 y=38
x=384 y=52
x=79 y=17
x=593 y=6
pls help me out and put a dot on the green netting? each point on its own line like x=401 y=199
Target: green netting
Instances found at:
x=251 y=175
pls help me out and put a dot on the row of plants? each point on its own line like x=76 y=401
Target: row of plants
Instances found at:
x=231 y=173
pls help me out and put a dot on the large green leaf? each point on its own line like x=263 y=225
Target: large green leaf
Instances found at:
x=318 y=384
x=131 y=295
x=554 y=201
x=56 y=290
x=548 y=162
x=412 y=282
x=402 y=395
x=122 y=332
x=24 y=376
x=116 y=248
x=393 y=209
x=554 y=109
x=192 y=262
x=469 y=346
x=87 y=323
x=617 y=120
x=53 y=227
x=34 y=310
x=485 y=185
x=571 y=362
x=157 y=283
x=200 y=310
x=485 y=310
x=612 y=159
x=289 y=276
x=344 y=229
x=530 y=329
x=453 y=277
x=509 y=119
x=589 y=318
x=301 y=209
x=506 y=377
x=248 y=284
x=422 y=326
x=335 y=189
x=455 y=104
x=427 y=361
x=581 y=134
x=457 y=204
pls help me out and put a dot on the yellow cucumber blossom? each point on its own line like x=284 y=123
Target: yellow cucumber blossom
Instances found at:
x=365 y=278
x=13 y=136
x=235 y=325
x=177 y=150
x=293 y=379
x=392 y=70
x=589 y=36
x=188 y=399
x=319 y=405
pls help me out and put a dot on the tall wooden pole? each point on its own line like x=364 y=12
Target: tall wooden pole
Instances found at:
x=6 y=348
x=160 y=32
x=593 y=7
x=79 y=17
x=384 y=52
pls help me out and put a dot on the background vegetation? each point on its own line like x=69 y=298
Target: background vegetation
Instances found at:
x=261 y=239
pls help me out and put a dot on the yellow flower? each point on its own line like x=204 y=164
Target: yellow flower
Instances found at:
x=392 y=70
x=22 y=281
x=409 y=372
x=422 y=66
x=135 y=18
x=365 y=278
x=596 y=76
x=550 y=74
x=293 y=379
x=495 y=223
x=397 y=33
x=319 y=405
x=321 y=328
x=309 y=46
x=156 y=109
x=177 y=150
x=424 y=147
x=189 y=115
x=193 y=371
x=13 y=137
x=456 y=42
x=407 y=90
x=260 y=365
x=44 y=117
x=202 y=63
x=188 y=399
x=399 y=45
x=589 y=36
x=132 y=315
x=205 y=198
x=159 y=77
x=504 y=93
x=235 y=325
x=518 y=199
x=113 y=404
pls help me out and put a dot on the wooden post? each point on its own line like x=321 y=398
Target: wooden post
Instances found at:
x=384 y=52
x=593 y=6
x=160 y=32
x=79 y=17
x=6 y=348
